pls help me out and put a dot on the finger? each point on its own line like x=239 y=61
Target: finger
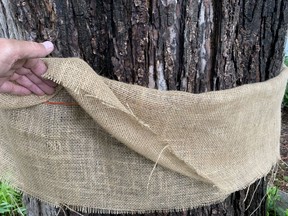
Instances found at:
x=26 y=49
x=12 y=88
x=39 y=82
x=29 y=49
x=28 y=84
x=18 y=64
x=38 y=67
x=3 y=79
x=50 y=83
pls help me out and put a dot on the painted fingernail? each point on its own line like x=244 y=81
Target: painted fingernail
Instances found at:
x=48 y=45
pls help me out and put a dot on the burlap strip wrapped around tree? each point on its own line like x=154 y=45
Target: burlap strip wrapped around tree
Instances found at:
x=108 y=146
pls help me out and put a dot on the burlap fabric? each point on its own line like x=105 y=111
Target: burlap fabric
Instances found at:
x=113 y=147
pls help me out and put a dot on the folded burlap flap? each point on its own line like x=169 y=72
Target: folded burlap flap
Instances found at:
x=212 y=143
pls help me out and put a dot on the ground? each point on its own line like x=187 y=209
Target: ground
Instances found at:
x=281 y=179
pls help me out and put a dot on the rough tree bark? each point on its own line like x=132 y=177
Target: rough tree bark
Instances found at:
x=186 y=45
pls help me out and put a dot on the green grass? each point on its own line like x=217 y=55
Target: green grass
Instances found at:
x=10 y=201
x=286 y=60
x=272 y=198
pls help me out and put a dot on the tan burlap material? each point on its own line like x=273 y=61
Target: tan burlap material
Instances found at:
x=113 y=147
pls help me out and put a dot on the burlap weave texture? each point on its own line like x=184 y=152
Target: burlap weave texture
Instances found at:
x=99 y=149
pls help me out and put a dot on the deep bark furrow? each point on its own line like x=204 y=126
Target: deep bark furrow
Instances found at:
x=191 y=57
x=171 y=52
x=102 y=28
x=139 y=41
x=180 y=85
x=81 y=20
x=3 y=23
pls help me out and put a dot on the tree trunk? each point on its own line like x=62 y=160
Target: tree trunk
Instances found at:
x=187 y=45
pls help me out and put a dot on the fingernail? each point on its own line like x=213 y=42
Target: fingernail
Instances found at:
x=48 y=45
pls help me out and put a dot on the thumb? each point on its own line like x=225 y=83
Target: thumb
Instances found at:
x=28 y=49
x=48 y=46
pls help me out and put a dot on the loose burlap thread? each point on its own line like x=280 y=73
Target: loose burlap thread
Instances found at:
x=106 y=146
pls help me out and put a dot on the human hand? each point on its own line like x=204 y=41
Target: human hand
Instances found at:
x=21 y=68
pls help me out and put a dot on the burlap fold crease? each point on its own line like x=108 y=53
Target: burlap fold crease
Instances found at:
x=114 y=147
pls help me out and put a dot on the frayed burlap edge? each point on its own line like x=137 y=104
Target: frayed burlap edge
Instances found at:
x=80 y=210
